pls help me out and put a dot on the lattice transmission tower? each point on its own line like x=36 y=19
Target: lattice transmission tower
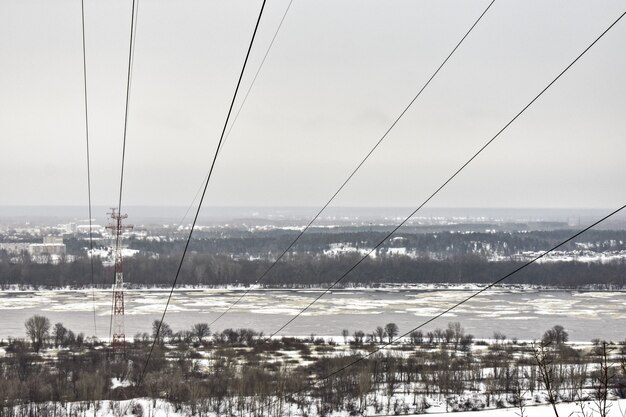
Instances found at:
x=118 y=340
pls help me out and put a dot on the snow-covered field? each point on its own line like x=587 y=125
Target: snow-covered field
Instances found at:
x=159 y=408
x=618 y=409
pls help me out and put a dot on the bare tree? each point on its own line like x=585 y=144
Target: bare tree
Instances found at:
x=519 y=394
x=200 y=331
x=38 y=330
x=391 y=329
x=574 y=379
x=364 y=386
x=499 y=337
x=345 y=333
x=164 y=332
x=466 y=342
x=457 y=333
x=543 y=358
x=380 y=334
x=440 y=335
x=620 y=384
x=556 y=336
x=60 y=334
x=358 y=337
x=416 y=337
x=603 y=379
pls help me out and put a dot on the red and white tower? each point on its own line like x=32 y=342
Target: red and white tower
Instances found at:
x=118 y=340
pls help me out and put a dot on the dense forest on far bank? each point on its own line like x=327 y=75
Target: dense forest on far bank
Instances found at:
x=488 y=244
x=309 y=270
x=237 y=257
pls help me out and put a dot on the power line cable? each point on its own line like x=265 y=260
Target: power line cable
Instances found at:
x=131 y=50
x=477 y=293
x=128 y=84
x=134 y=41
x=243 y=102
x=256 y=75
x=193 y=201
x=230 y=109
x=371 y=151
x=93 y=290
x=449 y=309
x=442 y=186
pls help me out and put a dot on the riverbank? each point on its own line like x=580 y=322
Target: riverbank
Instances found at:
x=339 y=287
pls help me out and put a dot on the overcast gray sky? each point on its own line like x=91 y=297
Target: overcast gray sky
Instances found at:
x=339 y=73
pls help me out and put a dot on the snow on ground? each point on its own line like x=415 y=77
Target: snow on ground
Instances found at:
x=107 y=255
x=161 y=408
x=583 y=255
x=586 y=256
x=618 y=409
x=116 y=383
x=337 y=249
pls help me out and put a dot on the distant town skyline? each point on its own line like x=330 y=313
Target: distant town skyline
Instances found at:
x=336 y=78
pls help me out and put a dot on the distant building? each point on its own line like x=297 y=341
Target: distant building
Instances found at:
x=36 y=250
x=53 y=240
x=70 y=228
x=95 y=229
x=14 y=248
x=51 y=250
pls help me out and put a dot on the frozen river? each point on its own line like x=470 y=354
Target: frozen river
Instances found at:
x=523 y=314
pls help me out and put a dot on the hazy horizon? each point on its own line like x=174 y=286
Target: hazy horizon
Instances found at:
x=338 y=75
x=301 y=215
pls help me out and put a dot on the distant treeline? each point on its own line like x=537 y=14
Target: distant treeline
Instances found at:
x=311 y=270
x=270 y=244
